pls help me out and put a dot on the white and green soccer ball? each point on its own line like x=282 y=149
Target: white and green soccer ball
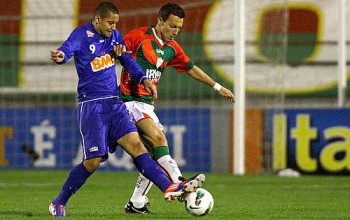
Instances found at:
x=199 y=203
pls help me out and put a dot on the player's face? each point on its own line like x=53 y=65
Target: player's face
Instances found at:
x=170 y=28
x=106 y=25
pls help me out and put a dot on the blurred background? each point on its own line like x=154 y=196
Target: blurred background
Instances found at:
x=296 y=114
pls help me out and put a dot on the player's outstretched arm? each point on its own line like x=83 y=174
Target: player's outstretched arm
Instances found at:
x=198 y=74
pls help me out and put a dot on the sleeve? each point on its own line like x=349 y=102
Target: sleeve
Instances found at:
x=71 y=45
x=132 y=40
x=133 y=68
x=181 y=62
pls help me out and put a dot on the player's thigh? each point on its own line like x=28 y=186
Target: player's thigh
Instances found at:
x=140 y=111
x=152 y=132
x=93 y=130
x=132 y=144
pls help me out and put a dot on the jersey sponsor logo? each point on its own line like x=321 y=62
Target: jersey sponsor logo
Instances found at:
x=153 y=74
x=102 y=62
x=93 y=149
x=159 y=51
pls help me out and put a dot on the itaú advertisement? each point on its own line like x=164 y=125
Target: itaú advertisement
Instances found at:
x=311 y=140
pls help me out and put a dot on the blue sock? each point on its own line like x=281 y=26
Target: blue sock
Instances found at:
x=150 y=169
x=77 y=177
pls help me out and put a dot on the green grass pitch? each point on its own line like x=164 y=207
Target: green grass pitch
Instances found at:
x=25 y=194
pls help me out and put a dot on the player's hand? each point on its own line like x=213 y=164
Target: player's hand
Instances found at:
x=227 y=93
x=120 y=50
x=57 y=56
x=151 y=88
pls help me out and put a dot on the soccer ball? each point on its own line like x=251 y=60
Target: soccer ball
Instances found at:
x=199 y=203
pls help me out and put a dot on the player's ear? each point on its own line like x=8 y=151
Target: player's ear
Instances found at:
x=97 y=19
x=160 y=21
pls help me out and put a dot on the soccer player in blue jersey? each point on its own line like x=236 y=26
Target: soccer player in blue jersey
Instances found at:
x=102 y=117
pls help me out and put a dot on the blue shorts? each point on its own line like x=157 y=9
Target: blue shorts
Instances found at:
x=101 y=123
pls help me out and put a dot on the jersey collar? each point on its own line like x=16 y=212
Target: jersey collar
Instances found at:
x=161 y=42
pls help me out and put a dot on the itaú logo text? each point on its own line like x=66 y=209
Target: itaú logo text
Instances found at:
x=102 y=62
x=153 y=74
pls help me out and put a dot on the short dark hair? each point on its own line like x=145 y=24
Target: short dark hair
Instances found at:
x=171 y=9
x=105 y=8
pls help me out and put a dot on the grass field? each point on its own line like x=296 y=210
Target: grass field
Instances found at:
x=26 y=194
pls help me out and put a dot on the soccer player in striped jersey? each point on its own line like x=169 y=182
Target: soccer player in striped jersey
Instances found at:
x=103 y=119
x=155 y=48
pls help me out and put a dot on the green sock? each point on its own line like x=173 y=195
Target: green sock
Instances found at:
x=160 y=151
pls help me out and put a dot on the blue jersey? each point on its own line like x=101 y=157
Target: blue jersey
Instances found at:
x=94 y=63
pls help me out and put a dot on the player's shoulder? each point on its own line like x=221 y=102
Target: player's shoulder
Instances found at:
x=84 y=27
x=83 y=30
x=175 y=44
x=139 y=31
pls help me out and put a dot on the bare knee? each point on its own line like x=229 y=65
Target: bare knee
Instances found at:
x=156 y=139
x=159 y=139
x=132 y=144
x=136 y=148
x=92 y=164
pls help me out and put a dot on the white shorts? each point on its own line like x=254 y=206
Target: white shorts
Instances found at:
x=140 y=110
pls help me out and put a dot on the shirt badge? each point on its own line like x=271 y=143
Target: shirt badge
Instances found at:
x=159 y=62
x=90 y=34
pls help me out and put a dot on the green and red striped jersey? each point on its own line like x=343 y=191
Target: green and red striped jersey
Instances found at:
x=153 y=55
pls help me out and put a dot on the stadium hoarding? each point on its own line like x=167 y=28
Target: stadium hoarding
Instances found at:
x=48 y=138
x=311 y=141
x=254 y=138
x=9 y=43
x=273 y=32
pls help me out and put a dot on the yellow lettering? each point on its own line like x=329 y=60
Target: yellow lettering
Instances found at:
x=329 y=152
x=279 y=142
x=302 y=134
x=5 y=132
x=96 y=64
x=100 y=63
x=106 y=61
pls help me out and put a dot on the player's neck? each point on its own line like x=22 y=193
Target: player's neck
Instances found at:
x=94 y=26
x=157 y=35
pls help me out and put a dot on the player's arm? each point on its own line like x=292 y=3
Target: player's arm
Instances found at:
x=198 y=74
x=135 y=70
x=151 y=88
x=68 y=48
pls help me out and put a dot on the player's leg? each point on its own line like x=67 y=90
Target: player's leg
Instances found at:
x=143 y=113
x=142 y=159
x=139 y=202
x=151 y=131
x=91 y=129
x=124 y=132
x=152 y=134
x=150 y=169
x=156 y=138
x=76 y=178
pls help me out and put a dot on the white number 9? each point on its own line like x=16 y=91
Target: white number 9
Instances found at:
x=92 y=48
